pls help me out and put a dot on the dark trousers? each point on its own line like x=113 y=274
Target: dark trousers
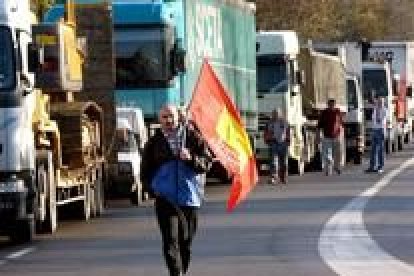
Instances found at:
x=176 y=241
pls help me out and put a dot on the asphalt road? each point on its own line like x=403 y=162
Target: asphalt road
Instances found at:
x=293 y=230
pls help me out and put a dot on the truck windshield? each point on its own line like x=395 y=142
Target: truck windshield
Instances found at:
x=375 y=84
x=125 y=141
x=7 y=75
x=142 y=57
x=272 y=76
x=352 y=93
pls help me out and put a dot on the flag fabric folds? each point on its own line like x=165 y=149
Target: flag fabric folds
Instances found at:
x=216 y=116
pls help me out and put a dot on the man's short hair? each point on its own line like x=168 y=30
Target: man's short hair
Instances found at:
x=331 y=101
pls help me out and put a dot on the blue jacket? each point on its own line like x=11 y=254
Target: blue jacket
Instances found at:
x=179 y=184
x=163 y=174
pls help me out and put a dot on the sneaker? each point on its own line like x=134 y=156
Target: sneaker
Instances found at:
x=370 y=170
x=380 y=171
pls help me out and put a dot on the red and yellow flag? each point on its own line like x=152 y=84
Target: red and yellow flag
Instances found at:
x=219 y=122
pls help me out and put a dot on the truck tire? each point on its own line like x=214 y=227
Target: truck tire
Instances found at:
x=407 y=138
x=400 y=143
x=92 y=193
x=41 y=197
x=317 y=163
x=136 y=196
x=358 y=158
x=47 y=208
x=297 y=166
x=82 y=209
x=87 y=202
x=99 y=196
x=24 y=232
x=388 y=146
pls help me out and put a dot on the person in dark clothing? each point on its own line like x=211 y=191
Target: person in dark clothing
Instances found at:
x=172 y=161
x=331 y=124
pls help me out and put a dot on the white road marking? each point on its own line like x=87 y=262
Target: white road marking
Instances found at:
x=346 y=246
x=17 y=255
x=20 y=253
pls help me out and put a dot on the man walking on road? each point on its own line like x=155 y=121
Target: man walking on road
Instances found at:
x=171 y=164
x=331 y=124
x=277 y=136
x=379 y=124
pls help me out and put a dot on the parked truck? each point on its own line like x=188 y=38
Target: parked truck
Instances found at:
x=130 y=138
x=278 y=87
x=351 y=57
x=400 y=54
x=298 y=82
x=51 y=151
x=160 y=46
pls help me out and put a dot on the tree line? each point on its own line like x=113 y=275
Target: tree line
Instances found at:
x=334 y=20
x=339 y=20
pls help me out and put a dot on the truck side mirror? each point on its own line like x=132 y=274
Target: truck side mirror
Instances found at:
x=33 y=58
x=178 y=58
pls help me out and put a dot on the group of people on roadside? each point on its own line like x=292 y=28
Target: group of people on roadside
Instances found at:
x=330 y=134
x=176 y=158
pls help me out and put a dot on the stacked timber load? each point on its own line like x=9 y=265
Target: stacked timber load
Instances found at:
x=94 y=22
x=79 y=125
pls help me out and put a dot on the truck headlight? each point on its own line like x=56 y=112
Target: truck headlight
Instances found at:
x=12 y=186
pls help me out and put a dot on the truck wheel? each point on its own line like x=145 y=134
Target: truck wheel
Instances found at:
x=358 y=158
x=87 y=202
x=50 y=223
x=136 y=196
x=297 y=166
x=388 y=146
x=317 y=162
x=400 y=143
x=99 y=198
x=406 y=138
x=92 y=193
x=41 y=197
x=24 y=232
x=82 y=208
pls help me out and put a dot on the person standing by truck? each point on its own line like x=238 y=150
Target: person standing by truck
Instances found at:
x=331 y=124
x=379 y=124
x=277 y=136
x=172 y=160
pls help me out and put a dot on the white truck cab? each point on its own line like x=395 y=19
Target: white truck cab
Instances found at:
x=130 y=138
x=278 y=87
